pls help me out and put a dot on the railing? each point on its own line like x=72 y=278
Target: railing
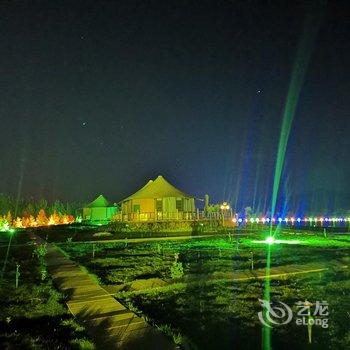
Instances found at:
x=171 y=216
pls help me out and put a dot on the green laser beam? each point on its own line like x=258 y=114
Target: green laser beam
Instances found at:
x=303 y=55
x=6 y=258
x=266 y=336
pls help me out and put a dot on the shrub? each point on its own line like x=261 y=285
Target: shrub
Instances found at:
x=176 y=270
x=72 y=323
x=40 y=251
x=167 y=330
x=83 y=344
x=166 y=226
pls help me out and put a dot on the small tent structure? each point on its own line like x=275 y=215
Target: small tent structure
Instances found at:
x=99 y=211
x=158 y=200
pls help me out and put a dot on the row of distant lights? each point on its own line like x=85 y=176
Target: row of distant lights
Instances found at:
x=291 y=220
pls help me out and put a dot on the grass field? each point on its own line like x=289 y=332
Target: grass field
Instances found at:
x=201 y=306
x=34 y=315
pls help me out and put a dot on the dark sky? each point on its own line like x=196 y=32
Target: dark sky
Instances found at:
x=98 y=97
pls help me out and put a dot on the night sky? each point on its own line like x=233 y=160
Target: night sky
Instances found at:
x=99 y=97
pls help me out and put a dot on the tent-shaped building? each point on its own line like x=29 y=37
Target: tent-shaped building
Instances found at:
x=158 y=200
x=99 y=211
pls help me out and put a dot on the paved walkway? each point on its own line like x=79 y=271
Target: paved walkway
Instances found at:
x=107 y=321
x=138 y=240
x=275 y=272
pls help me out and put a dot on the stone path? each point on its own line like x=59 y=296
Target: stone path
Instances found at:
x=108 y=322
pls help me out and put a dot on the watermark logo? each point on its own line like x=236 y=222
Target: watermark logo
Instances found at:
x=308 y=314
x=274 y=315
x=312 y=314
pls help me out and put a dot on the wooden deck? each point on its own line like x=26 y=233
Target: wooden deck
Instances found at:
x=108 y=322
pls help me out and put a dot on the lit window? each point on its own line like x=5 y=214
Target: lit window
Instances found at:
x=179 y=204
x=159 y=205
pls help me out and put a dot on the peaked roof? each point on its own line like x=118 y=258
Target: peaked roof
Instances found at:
x=158 y=188
x=100 y=201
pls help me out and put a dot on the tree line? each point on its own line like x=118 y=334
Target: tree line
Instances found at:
x=30 y=212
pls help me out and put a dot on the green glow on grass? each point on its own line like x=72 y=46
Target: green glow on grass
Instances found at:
x=270 y=240
x=4 y=226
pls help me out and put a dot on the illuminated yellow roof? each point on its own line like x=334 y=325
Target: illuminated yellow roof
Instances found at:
x=159 y=188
